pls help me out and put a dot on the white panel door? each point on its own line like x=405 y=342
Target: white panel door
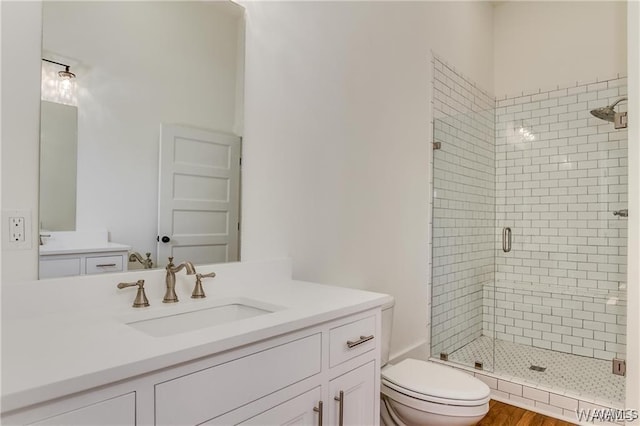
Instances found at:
x=358 y=397
x=199 y=195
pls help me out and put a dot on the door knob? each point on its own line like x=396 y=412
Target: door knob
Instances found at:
x=165 y=239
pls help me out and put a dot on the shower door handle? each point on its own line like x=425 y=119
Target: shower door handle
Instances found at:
x=506 y=239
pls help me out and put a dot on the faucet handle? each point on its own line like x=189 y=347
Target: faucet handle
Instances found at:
x=44 y=235
x=148 y=263
x=198 y=292
x=141 y=300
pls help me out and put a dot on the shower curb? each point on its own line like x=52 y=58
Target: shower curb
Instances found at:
x=513 y=391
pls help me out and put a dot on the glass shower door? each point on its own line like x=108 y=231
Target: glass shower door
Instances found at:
x=463 y=250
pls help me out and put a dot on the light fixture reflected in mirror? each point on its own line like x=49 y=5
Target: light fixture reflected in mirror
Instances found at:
x=60 y=86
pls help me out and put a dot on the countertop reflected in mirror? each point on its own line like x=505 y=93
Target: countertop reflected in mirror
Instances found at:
x=147 y=75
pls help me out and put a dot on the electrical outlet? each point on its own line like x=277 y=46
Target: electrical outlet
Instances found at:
x=16 y=229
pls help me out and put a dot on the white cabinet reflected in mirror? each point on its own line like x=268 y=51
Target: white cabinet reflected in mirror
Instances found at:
x=141 y=67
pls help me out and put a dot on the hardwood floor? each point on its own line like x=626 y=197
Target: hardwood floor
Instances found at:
x=501 y=414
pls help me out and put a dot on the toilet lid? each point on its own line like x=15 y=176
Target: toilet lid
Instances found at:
x=435 y=380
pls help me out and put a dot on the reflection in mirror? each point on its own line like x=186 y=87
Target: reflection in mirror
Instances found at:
x=58 y=148
x=140 y=67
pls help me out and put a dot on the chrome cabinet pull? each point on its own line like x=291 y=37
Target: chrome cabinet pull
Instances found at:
x=104 y=265
x=506 y=239
x=340 y=399
x=319 y=410
x=362 y=339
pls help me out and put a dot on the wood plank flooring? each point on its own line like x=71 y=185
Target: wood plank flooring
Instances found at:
x=501 y=414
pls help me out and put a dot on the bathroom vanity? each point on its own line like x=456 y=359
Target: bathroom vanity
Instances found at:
x=66 y=254
x=260 y=349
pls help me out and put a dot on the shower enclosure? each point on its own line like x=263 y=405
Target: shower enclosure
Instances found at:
x=529 y=235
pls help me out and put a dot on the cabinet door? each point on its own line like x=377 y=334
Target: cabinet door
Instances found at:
x=358 y=397
x=296 y=411
x=55 y=267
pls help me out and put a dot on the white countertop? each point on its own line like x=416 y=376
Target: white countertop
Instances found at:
x=50 y=349
x=51 y=248
x=78 y=242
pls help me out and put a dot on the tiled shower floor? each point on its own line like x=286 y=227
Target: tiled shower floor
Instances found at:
x=588 y=378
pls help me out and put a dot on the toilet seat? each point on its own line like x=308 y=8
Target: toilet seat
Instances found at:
x=435 y=383
x=399 y=399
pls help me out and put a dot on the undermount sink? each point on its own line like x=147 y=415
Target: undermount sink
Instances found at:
x=184 y=321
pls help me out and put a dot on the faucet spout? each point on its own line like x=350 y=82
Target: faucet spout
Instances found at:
x=170 y=295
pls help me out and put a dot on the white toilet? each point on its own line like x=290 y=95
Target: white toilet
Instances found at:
x=422 y=393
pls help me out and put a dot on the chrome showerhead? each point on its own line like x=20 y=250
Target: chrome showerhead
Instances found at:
x=607 y=113
x=604 y=113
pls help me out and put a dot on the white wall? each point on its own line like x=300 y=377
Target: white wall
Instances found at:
x=140 y=64
x=21 y=23
x=335 y=160
x=545 y=44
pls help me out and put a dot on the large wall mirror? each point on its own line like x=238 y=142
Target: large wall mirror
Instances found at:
x=143 y=141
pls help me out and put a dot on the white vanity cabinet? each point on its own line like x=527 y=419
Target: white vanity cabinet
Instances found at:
x=301 y=410
x=293 y=378
x=209 y=393
x=353 y=371
x=82 y=263
x=354 y=397
x=354 y=393
x=120 y=410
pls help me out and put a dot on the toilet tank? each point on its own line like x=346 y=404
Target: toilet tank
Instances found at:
x=387 y=323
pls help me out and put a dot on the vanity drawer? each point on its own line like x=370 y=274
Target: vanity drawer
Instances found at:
x=205 y=394
x=350 y=340
x=102 y=264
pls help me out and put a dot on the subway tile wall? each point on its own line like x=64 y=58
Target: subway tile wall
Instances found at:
x=560 y=175
x=589 y=323
x=463 y=215
x=542 y=165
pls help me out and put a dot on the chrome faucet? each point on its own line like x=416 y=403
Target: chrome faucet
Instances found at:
x=170 y=296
